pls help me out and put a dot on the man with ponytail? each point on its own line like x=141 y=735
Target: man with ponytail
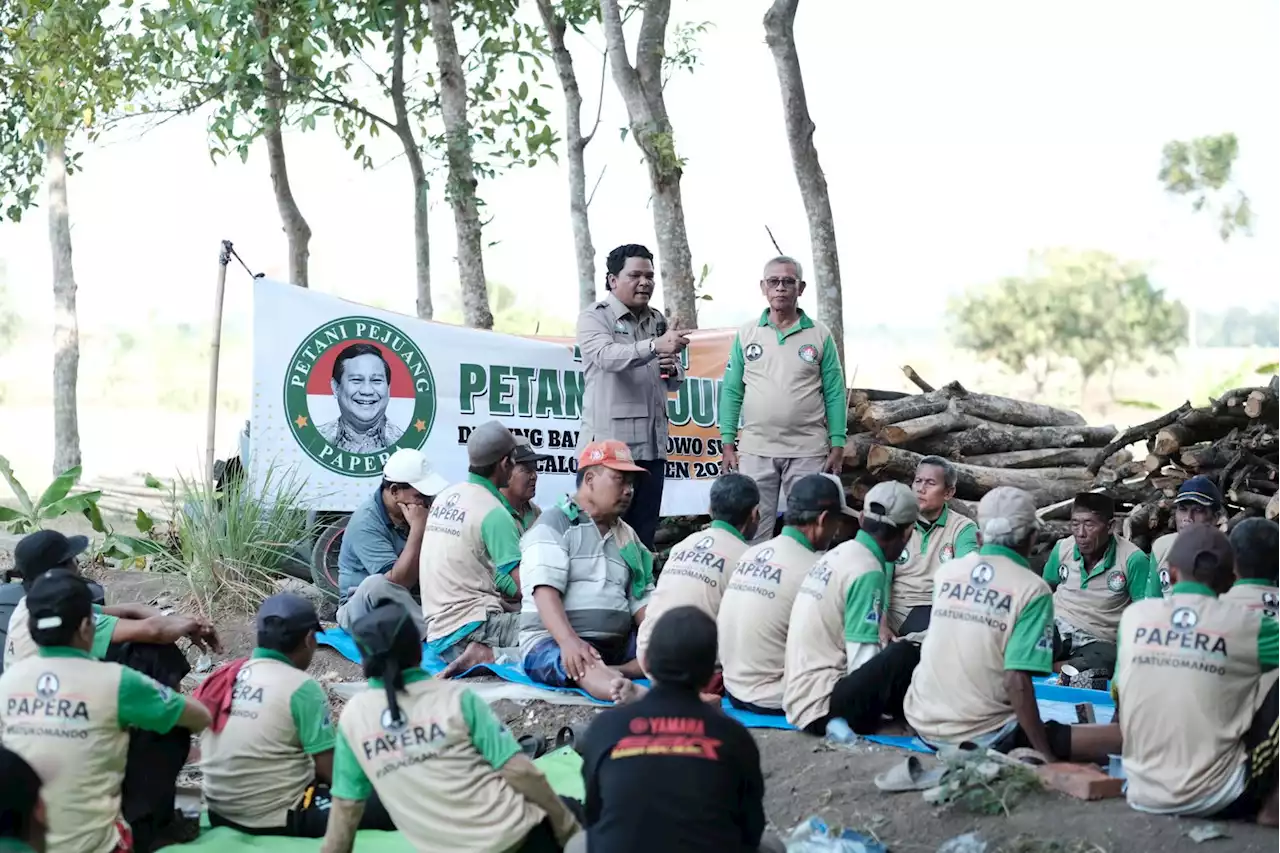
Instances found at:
x=449 y=774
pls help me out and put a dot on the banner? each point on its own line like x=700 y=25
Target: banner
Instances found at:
x=325 y=369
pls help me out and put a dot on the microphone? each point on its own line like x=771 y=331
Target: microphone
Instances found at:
x=662 y=330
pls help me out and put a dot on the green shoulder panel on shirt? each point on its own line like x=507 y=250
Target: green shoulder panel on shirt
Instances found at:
x=310 y=710
x=1030 y=646
x=966 y=541
x=640 y=560
x=1052 y=567
x=834 y=394
x=1267 y=644
x=103 y=627
x=501 y=536
x=147 y=704
x=1153 y=588
x=863 y=611
x=731 y=392
x=490 y=738
x=1137 y=572
x=349 y=780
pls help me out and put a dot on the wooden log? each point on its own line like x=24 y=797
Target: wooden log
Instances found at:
x=1232 y=402
x=1252 y=500
x=1264 y=487
x=915 y=378
x=1209 y=426
x=1141 y=432
x=1241 y=516
x=1260 y=402
x=860 y=396
x=915 y=429
x=876 y=415
x=1154 y=462
x=1046 y=485
x=1113 y=473
x=1216 y=455
x=1053 y=531
x=986 y=437
x=1173 y=438
x=1050 y=457
x=1273 y=508
x=1006 y=410
x=855 y=449
x=969 y=509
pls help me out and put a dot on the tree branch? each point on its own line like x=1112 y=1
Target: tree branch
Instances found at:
x=616 y=52
x=650 y=47
x=401 y=13
x=586 y=140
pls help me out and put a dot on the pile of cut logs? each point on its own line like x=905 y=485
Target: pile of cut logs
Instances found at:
x=993 y=441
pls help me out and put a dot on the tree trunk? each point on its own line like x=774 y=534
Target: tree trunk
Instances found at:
x=296 y=229
x=66 y=331
x=779 y=28
x=404 y=131
x=997 y=438
x=576 y=145
x=462 y=179
x=641 y=90
x=1046 y=485
x=1049 y=457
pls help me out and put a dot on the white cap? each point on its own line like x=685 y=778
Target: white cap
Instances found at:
x=412 y=467
x=891 y=502
x=1007 y=511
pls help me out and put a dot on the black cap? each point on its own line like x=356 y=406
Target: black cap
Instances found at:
x=287 y=613
x=524 y=452
x=1202 y=549
x=682 y=649
x=1199 y=490
x=1097 y=503
x=58 y=601
x=818 y=493
x=38 y=552
x=384 y=629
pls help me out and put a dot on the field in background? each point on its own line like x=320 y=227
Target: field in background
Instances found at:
x=142 y=396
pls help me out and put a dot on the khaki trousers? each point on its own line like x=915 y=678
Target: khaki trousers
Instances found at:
x=775 y=476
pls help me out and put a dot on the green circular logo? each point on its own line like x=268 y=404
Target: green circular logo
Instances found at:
x=358 y=389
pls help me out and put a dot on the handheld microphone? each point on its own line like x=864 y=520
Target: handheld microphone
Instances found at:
x=662 y=330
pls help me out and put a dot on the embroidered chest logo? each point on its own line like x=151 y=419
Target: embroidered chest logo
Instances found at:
x=704 y=543
x=392 y=723
x=47 y=685
x=1063 y=573
x=752 y=352
x=1164 y=581
x=1270 y=603
x=948 y=553
x=620 y=326
x=903 y=558
x=764 y=555
x=1115 y=580
x=808 y=354
x=1184 y=619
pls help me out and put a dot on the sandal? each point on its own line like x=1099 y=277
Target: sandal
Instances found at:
x=909 y=775
x=534 y=746
x=564 y=737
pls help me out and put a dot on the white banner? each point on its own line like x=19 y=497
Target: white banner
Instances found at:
x=325 y=370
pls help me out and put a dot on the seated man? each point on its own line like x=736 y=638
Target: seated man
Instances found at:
x=938 y=535
x=586 y=579
x=451 y=775
x=66 y=710
x=523 y=486
x=991 y=630
x=1254 y=542
x=267 y=760
x=23 y=817
x=711 y=794
x=1198 y=502
x=836 y=623
x=1096 y=574
x=470 y=559
x=695 y=572
x=756 y=607
x=1196 y=693
x=381 y=546
x=136 y=636
x=37 y=553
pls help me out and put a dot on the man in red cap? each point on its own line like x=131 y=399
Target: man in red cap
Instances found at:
x=585 y=579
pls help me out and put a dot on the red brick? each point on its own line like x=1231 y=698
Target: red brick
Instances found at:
x=1081 y=781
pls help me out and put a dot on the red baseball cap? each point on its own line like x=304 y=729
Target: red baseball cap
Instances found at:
x=609 y=453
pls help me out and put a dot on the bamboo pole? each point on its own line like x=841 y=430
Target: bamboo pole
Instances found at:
x=215 y=349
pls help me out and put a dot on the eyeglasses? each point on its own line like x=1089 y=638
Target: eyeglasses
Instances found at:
x=776 y=283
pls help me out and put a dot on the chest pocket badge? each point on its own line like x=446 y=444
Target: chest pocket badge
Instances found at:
x=752 y=352
x=1063 y=573
x=808 y=354
x=620 y=327
x=1116 y=581
x=948 y=553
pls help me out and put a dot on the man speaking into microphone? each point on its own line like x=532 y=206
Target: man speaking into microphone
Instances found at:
x=630 y=361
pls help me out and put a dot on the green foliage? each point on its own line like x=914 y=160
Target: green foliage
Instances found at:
x=232 y=544
x=1201 y=170
x=983 y=785
x=1086 y=306
x=55 y=501
x=63 y=65
x=682 y=50
x=1239 y=326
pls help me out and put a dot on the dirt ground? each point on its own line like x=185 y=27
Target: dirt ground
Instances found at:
x=805 y=776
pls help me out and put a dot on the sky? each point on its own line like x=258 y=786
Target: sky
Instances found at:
x=956 y=138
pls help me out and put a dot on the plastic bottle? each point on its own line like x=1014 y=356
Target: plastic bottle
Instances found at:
x=838 y=731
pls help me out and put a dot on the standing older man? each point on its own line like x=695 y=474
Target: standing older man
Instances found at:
x=630 y=361
x=784 y=382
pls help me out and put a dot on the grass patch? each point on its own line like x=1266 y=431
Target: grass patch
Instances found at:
x=231 y=543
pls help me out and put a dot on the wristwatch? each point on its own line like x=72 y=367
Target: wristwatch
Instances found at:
x=653 y=349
